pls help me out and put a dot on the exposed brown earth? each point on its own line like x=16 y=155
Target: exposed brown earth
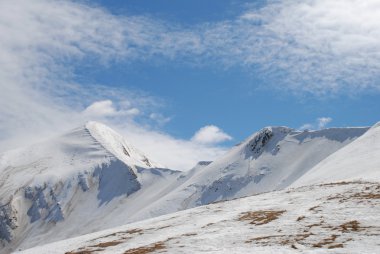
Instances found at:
x=147 y=249
x=260 y=217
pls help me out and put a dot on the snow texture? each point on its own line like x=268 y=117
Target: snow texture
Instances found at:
x=358 y=160
x=339 y=218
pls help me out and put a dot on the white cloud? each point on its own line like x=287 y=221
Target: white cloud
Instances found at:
x=44 y=41
x=132 y=112
x=159 y=118
x=320 y=123
x=323 y=121
x=320 y=47
x=174 y=153
x=307 y=126
x=101 y=109
x=106 y=108
x=40 y=40
x=210 y=134
x=312 y=46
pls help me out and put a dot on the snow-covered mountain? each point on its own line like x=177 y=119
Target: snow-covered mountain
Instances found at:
x=58 y=188
x=92 y=179
x=271 y=159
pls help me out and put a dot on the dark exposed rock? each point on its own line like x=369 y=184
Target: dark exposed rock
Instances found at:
x=260 y=140
x=8 y=221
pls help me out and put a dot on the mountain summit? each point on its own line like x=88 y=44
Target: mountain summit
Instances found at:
x=63 y=180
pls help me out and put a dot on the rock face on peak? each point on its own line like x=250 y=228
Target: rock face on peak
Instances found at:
x=257 y=144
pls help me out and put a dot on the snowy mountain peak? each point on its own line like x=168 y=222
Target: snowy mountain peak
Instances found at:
x=41 y=184
x=117 y=145
x=81 y=149
x=258 y=141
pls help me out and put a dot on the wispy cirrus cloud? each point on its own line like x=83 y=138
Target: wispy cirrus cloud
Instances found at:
x=44 y=44
x=318 y=47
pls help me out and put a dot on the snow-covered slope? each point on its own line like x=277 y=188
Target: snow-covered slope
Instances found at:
x=58 y=188
x=332 y=218
x=358 y=160
x=271 y=159
x=78 y=150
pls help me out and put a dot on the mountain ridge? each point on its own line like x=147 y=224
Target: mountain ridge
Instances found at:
x=118 y=184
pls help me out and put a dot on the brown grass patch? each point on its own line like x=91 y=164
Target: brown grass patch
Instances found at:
x=162 y=227
x=301 y=237
x=289 y=240
x=79 y=252
x=147 y=249
x=340 y=197
x=315 y=225
x=134 y=231
x=326 y=241
x=107 y=244
x=207 y=225
x=314 y=208
x=189 y=234
x=366 y=195
x=342 y=183
x=260 y=217
x=335 y=246
x=300 y=218
x=261 y=239
x=83 y=251
x=351 y=226
x=131 y=231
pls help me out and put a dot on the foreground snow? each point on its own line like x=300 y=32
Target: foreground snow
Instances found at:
x=330 y=218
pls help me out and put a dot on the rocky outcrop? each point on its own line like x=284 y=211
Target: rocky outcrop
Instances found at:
x=8 y=221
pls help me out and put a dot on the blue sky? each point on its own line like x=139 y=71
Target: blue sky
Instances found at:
x=231 y=98
x=181 y=11
x=186 y=80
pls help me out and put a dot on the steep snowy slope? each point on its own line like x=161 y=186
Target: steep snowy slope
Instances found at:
x=58 y=188
x=358 y=160
x=270 y=159
x=330 y=218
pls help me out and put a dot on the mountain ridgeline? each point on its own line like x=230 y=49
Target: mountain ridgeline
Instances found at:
x=91 y=178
